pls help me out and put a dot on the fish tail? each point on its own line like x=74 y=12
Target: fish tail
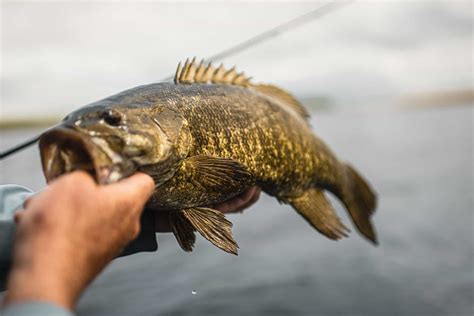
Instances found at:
x=360 y=201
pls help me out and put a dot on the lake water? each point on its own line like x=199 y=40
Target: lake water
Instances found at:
x=421 y=164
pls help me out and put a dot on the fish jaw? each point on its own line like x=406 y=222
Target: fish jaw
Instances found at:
x=65 y=150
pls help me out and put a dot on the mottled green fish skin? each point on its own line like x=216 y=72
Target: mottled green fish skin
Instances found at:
x=274 y=142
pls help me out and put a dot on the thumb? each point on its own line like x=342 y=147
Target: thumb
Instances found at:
x=137 y=187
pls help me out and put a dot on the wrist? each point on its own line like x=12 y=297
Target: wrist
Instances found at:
x=40 y=273
x=28 y=284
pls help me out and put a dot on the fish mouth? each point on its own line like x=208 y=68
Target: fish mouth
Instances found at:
x=64 y=150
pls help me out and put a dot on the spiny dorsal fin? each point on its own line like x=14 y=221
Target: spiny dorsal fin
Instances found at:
x=284 y=96
x=192 y=72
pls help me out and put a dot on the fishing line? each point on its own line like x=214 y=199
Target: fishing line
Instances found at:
x=23 y=145
x=253 y=41
x=277 y=30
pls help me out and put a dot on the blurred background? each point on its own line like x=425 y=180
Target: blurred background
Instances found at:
x=390 y=88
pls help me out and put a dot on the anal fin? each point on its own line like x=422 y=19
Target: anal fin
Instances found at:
x=314 y=206
x=210 y=223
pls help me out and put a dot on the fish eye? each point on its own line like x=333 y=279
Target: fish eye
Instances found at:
x=111 y=117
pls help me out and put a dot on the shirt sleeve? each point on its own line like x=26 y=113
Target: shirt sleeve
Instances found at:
x=12 y=198
x=35 y=309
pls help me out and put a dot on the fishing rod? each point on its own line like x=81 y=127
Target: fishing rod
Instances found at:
x=18 y=147
x=23 y=145
x=255 y=40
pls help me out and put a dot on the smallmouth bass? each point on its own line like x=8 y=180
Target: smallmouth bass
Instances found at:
x=204 y=139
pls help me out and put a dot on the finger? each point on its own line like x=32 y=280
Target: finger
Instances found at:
x=18 y=217
x=137 y=188
x=72 y=178
x=27 y=202
x=239 y=202
x=252 y=201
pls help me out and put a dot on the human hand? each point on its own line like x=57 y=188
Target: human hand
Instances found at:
x=69 y=232
x=233 y=205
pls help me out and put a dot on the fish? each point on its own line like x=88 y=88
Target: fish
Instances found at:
x=205 y=137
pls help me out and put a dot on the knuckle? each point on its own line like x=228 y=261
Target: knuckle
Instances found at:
x=18 y=216
x=27 y=202
x=82 y=176
x=76 y=178
x=146 y=181
x=41 y=218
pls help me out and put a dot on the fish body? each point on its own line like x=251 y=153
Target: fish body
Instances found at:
x=205 y=143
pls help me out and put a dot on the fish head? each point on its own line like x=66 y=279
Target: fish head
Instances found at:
x=108 y=142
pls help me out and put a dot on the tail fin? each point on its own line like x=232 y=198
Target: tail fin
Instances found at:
x=361 y=201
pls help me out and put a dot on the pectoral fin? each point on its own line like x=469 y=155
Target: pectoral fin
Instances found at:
x=210 y=223
x=215 y=172
x=318 y=211
x=205 y=180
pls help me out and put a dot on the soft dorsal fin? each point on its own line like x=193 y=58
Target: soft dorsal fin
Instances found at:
x=191 y=72
x=284 y=96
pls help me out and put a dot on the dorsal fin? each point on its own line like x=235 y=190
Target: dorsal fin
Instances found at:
x=284 y=96
x=192 y=72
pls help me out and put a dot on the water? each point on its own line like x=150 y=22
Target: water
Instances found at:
x=421 y=165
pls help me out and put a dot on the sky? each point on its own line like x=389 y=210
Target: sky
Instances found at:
x=57 y=56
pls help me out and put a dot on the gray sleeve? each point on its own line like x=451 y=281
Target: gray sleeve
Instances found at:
x=35 y=309
x=12 y=198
